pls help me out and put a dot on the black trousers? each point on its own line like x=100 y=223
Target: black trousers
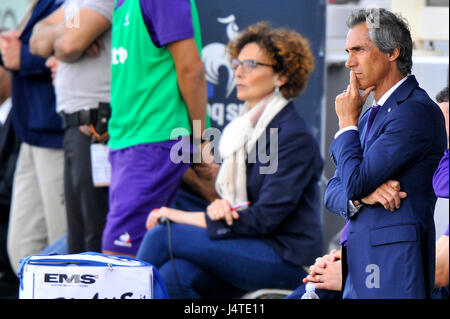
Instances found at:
x=86 y=205
x=5 y=265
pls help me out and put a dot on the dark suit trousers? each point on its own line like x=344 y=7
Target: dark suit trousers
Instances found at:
x=86 y=205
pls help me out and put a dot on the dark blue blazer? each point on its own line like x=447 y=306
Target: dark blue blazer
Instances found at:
x=285 y=209
x=405 y=143
x=34 y=110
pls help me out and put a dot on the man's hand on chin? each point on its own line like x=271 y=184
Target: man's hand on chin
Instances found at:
x=349 y=103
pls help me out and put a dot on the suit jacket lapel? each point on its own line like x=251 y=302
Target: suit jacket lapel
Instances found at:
x=362 y=127
x=396 y=98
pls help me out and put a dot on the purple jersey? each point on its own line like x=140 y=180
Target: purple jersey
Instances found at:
x=440 y=178
x=166 y=21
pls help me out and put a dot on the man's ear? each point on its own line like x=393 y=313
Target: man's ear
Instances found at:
x=394 y=55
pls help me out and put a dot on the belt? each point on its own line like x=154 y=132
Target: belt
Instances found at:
x=79 y=118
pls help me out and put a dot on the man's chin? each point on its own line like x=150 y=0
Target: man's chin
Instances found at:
x=364 y=86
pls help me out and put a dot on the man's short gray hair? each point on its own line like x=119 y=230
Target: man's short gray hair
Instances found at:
x=387 y=31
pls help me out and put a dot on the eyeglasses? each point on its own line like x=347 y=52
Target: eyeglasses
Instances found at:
x=247 y=65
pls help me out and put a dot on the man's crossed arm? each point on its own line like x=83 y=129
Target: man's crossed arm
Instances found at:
x=67 y=41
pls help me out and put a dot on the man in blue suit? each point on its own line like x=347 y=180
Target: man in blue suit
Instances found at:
x=388 y=245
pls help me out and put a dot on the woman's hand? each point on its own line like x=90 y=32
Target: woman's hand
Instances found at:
x=221 y=209
x=176 y=216
x=154 y=216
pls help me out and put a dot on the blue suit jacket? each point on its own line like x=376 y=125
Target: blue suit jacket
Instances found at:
x=405 y=143
x=34 y=116
x=285 y=209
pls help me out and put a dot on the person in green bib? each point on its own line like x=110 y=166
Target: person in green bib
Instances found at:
x=158 y=86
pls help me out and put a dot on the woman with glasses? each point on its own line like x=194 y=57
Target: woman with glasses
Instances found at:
x=266 y=225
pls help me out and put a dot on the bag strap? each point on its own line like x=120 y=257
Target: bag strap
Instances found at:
x=23 y=262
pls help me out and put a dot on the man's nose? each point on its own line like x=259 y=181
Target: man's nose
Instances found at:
x=351 y=61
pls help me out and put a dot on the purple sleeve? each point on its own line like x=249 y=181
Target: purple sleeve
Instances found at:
x=167 y=21
x=446 y=232
x=440 y=178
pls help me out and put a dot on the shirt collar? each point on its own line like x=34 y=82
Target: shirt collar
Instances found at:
x=386 y=95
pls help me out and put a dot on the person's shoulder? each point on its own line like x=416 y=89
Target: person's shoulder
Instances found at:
x=293 y=127
x=156 y=13
x=291 y=120
x=412 y=116
x=420 y=95
x=419 y=102
x=158 y=6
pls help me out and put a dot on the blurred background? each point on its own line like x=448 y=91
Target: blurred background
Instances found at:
x=322 y=22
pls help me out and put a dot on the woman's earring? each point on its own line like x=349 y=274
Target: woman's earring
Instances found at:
x=277 y=90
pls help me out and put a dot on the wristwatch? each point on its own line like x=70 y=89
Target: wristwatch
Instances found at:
x=354 y=209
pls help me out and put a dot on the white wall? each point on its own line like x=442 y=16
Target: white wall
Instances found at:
x=11 y=11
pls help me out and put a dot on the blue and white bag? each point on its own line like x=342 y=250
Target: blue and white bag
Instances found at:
x=88 y=276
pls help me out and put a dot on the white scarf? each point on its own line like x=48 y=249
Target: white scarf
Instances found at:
x=238 y=138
